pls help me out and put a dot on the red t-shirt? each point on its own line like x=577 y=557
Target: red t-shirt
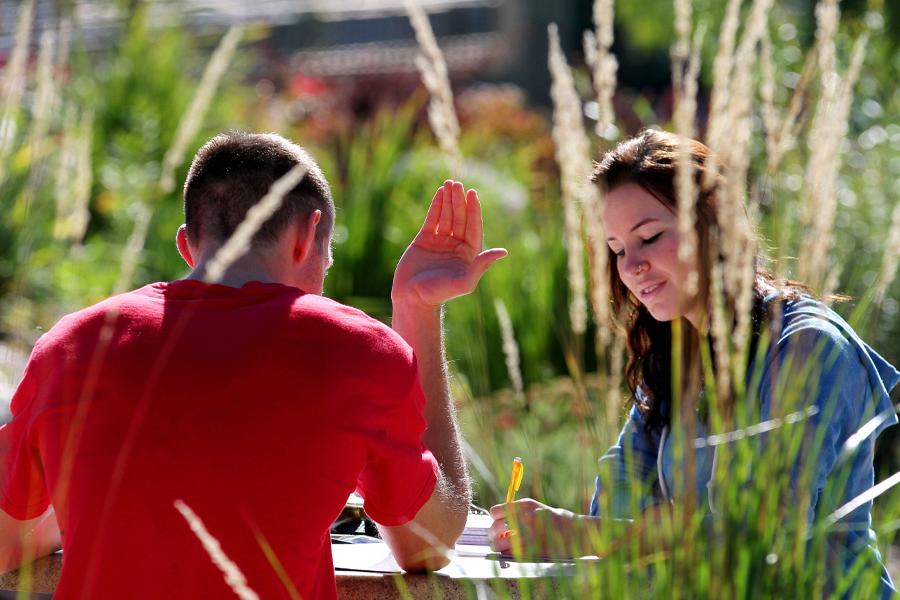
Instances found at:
x=261 y=408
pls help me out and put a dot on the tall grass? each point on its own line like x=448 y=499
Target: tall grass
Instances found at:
x=231 y=571
x=525 y=383
x=758 y=543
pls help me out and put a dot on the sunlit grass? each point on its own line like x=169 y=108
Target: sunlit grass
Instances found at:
x=527 y=384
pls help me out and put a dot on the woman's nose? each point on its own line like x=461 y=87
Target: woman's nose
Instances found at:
x=635 y=264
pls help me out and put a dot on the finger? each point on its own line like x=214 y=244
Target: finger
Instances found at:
x=483 y=262
x=498 y=535
x=474 y=225
x=498 y=512
x=497 y=528
x=446 y=219
x=434 y=212
x=502 y=544
x=459 y=211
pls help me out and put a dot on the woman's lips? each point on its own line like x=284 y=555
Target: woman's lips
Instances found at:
x=648 y=292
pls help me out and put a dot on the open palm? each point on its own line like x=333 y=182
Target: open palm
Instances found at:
x=445 y=260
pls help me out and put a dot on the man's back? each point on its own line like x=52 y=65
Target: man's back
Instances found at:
x=260 y=408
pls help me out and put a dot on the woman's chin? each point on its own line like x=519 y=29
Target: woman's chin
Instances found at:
x=663 y=313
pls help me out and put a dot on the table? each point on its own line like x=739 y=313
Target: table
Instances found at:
x=458 y=580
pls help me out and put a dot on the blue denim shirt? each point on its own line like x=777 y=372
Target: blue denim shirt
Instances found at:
x=846 y=381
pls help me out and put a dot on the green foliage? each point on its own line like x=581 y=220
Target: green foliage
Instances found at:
x=383 y=174
x=136 y=93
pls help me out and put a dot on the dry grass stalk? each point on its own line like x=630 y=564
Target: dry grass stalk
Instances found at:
x=233 y=575
x=45 y=94
x=43 y=105
x=736 y=234
x=828 y=129
x=74 y=177
x=719 y=330
x=193 y=117
x=603 y=63
x=595 y=203
x=13 y=87
x=729 y=136
x=239 y=243
x=64 y=42
x=604 y=66
x=685 y=70
x=722 y=66
x=767 y=95
x=431 y=64
x=510 y=348
x=781 y=137
x=187 y=129
x=276 y=565
x=81 y=193
x=827 y=17
x=133 y=248
x=735 y=153
x=614 y=382
x=66 y=165
x=573 y=157
x=891 y=258
x=681 y=49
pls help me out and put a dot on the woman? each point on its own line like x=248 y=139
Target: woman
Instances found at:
x=794 y=339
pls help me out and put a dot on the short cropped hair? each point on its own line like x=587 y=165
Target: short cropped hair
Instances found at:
x=234 y=170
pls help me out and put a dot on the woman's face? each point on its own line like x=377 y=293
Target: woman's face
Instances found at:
x=643 y=234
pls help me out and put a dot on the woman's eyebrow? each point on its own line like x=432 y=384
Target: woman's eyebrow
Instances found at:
x=639 y=224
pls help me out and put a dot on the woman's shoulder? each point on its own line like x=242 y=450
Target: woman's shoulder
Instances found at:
x=808 y=328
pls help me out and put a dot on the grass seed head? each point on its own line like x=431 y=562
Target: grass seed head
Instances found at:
x=603 y=63
x=14 y=83
x=233 y=575
x=193 y=118
x=510 y=348
x=685 y=71
x=573 y=157
x=828 y=129
x=431 y=64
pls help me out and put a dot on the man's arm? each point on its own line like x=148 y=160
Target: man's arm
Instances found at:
x=444 y=261
x=24 y=541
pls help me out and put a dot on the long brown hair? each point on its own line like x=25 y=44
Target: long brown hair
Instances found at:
x=650 y=160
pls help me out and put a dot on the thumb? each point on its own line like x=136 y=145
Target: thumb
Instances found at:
x=484 y=260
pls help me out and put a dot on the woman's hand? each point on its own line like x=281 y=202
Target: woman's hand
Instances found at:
x=445 y=260
x=529 y=528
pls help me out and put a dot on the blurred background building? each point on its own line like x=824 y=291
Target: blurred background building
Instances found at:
x=370 y=39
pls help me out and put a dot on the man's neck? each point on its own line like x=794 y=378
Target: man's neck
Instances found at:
x=246 y=269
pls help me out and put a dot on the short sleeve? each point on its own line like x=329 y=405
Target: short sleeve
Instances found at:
x=401 y=473
x=627 y=476
x=23 y=490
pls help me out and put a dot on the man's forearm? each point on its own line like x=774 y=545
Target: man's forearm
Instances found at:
x=421 y=327
x=24 y=541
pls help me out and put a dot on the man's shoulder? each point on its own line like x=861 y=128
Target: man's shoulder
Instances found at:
x=93 y=319
x=349 y=326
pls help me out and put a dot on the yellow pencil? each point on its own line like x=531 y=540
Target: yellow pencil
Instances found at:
x=515 y=480
x=518 y=470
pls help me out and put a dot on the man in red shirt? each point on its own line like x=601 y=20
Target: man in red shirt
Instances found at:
x=253 y=404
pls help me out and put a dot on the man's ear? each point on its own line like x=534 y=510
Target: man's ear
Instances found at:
x=306 y=236
x=184 y=249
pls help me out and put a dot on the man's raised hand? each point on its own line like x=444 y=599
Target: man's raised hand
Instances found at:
x=445 y=260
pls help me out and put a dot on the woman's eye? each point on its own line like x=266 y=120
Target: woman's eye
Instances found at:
x=652 y=238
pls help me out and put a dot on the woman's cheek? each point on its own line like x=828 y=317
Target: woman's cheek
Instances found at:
x=669 y=243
